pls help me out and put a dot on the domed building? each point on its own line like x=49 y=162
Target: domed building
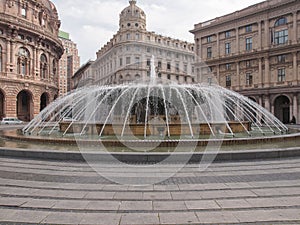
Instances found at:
x=29 y=55
x=126 y=57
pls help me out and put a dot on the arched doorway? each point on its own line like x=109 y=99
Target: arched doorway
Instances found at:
x=282 y=108
x=24 y=106
x=1 y=105
x=44 y=101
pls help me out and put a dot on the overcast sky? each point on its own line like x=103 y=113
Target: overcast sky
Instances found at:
x=93 y=23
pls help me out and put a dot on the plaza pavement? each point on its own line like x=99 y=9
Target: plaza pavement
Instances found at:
x=61 y=192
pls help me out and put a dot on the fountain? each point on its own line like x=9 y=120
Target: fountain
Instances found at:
x=154 y=109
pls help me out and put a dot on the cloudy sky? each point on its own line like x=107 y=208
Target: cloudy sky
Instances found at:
x=92 y=23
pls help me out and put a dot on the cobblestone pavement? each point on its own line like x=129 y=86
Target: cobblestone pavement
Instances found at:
x=56 y=192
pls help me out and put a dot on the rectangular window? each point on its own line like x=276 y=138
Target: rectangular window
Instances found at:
x=248 y=28
x=159 y=64
x=209 y=52
x=249 y=79
x=127 y=60
x=209 y=39
x=168 y=66
x=121 y=62
x=281 y=75
x=281 y=58
x=23 y=12
x=128 y=36
x=148 y=49
x=137 y=36
x=248 y=44
x=228 y=81
x=227 y=34
x=228 y=66
x=177 y=67
x=148 y=62
x=185 y=68
x=137 y=60
x=281 y=37
x=227 y=48
x=248 y=63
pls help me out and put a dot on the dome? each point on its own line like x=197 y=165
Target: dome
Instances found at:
x=132 y=17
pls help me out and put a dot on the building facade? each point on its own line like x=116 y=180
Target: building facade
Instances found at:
x=256 y=52
x=69 y=63
x=126 y=57
x=29 y=55
x=83 y=76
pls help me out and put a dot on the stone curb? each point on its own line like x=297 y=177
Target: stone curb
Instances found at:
x=152 y=157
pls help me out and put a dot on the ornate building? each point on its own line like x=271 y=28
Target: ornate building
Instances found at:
x=256 y=52
x=127 y=55
x=29 y=55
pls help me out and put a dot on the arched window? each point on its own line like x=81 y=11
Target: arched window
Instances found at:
x=43 y=66
x=23 y=61
x=280 y=21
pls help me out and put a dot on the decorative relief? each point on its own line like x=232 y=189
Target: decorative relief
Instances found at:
x=10 y=3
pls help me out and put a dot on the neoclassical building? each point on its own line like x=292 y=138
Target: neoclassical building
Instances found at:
x=256 y=52
x=127 y=55
x=29 y=55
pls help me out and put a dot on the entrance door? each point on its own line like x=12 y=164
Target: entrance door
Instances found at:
x=282 y=108
x=24 y=106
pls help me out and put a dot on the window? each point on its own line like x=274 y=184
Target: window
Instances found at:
x=209 y=80
x=137 y=36
x=249 y=79
x=159 y=64
x=148 y=49
x=248 y=44
x=227 y=48
x=137 y=60
x=177 y=67
x=128 y=60
x=54 y=67
x=248 y=28
x=128 y=36
x=280 y=22
x=248 y=63
x=169 y=77
x=43 y=66
x=177 y=77
x=281 y=75
x=228 y=81
x=209 y=52
x=23 y=12
x=185 y=68
x=281 y=58
x=281 y=37
x=209 y=39
x=159 y=75
x=23 y=61
x=148 y=62
x=228 y=66
x=168 y=66
x=121 y=61
x=227 y=34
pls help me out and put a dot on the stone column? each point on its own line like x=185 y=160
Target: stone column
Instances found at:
x=218 y=44
x=295 y=27
x=260 y=73
x=267 y=34
x=238 y=75
x=237 y=40
x=295 y=68
x=267 y=103
x=295 y=107
x=259 y=114
x=259 y=36
x=267 y=72
x=218 y=74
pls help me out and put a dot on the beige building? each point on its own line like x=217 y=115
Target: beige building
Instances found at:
x=83 y=76
x=69 y=63
x=256 y=52
x=126 y=57
x=29 y=55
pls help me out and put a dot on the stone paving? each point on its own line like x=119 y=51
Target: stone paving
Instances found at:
x=57 y=192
